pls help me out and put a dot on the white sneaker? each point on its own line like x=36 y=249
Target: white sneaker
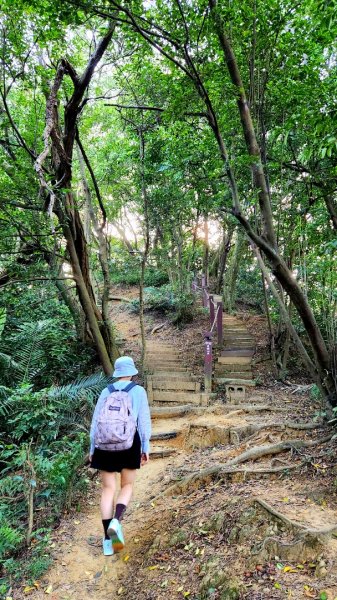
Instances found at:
x=107 y=548
x=115 y=533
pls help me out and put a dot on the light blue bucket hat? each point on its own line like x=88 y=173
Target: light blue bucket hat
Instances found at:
x=124 y=367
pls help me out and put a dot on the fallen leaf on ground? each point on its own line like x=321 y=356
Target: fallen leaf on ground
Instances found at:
x=49 y=589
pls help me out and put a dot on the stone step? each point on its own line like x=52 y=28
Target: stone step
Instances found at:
x=169 y=412
x=173 y=396
x=234 y=360
x=160 y=345
x=233 y=367
x=238 y=337
x=155 y=359
x=166 y=368
x=239 y=344
x=238 y=348
x=182 y=375
x=235 y=374
x=162 y=452
x=170 y=384
x=240 y=352
x=178 y=411
x=172 y=354
x=234 y=381
x=169 y=435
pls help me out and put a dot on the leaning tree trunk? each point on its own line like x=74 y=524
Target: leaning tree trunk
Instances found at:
x=267 y=241
x=59 y=143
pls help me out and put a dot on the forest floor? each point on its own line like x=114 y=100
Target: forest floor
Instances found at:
x=262 y=527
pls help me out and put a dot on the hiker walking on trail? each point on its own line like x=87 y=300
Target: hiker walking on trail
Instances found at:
x=119 y=443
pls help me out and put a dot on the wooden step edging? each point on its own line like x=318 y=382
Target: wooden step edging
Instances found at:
x=170 y=384
x=234 y=381
x=236 y=360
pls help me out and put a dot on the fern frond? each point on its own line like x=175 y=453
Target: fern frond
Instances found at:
x=85 y=388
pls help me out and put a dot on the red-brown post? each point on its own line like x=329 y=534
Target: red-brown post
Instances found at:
x=219 y=324
x=208 y=360
x=211 y=311
x=204 y=297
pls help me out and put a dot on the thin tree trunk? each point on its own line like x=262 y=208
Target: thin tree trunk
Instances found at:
x=303 y=353
x=232 y=272
x=206 y=249
x=225 y=248
x=270 y=325
x=146 y=245
x=106 y=328
x=87 y=305
x=286 y=348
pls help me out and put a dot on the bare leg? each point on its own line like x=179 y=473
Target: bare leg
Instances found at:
x=108 y=492
x=128 y=477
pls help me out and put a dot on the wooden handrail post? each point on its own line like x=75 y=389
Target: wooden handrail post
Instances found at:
x=204 y=297
x=208 y=361
x=211 y=311
x=219 y=324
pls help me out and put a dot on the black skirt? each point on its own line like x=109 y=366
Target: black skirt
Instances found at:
x=105 y=460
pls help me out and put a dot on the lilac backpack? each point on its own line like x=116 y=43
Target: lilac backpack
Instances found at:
x=116 y=425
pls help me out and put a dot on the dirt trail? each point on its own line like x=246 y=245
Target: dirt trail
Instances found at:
x=80 y=571
x=236 y=534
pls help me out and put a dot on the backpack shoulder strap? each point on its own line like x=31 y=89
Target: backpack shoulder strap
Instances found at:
x=129 y=387
x=111 y=388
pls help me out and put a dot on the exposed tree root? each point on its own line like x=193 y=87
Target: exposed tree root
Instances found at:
x=306 y=545
x=232 y=473
x=251 y=408
x=241 y=432
x=220 y=470
x=157 y=327
x=120 y=299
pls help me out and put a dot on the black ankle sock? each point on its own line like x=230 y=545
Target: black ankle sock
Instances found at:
x=120 y=508
x=105 y=527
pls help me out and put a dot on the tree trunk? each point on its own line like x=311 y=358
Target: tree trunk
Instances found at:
x=303 y=353
x=106 y=325
x=206 y=249
x=225 y=248
x=267 y=242
x=232 y=272
x=146 y=246
x=60 y=144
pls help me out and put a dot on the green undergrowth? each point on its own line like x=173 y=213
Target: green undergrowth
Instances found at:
x=166 y=301
x=44 y=442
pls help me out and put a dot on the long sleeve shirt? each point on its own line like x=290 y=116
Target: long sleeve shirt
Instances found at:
x=140 y=410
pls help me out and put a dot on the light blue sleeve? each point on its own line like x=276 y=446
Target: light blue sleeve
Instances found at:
x=144 y=420
x=104 y=394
